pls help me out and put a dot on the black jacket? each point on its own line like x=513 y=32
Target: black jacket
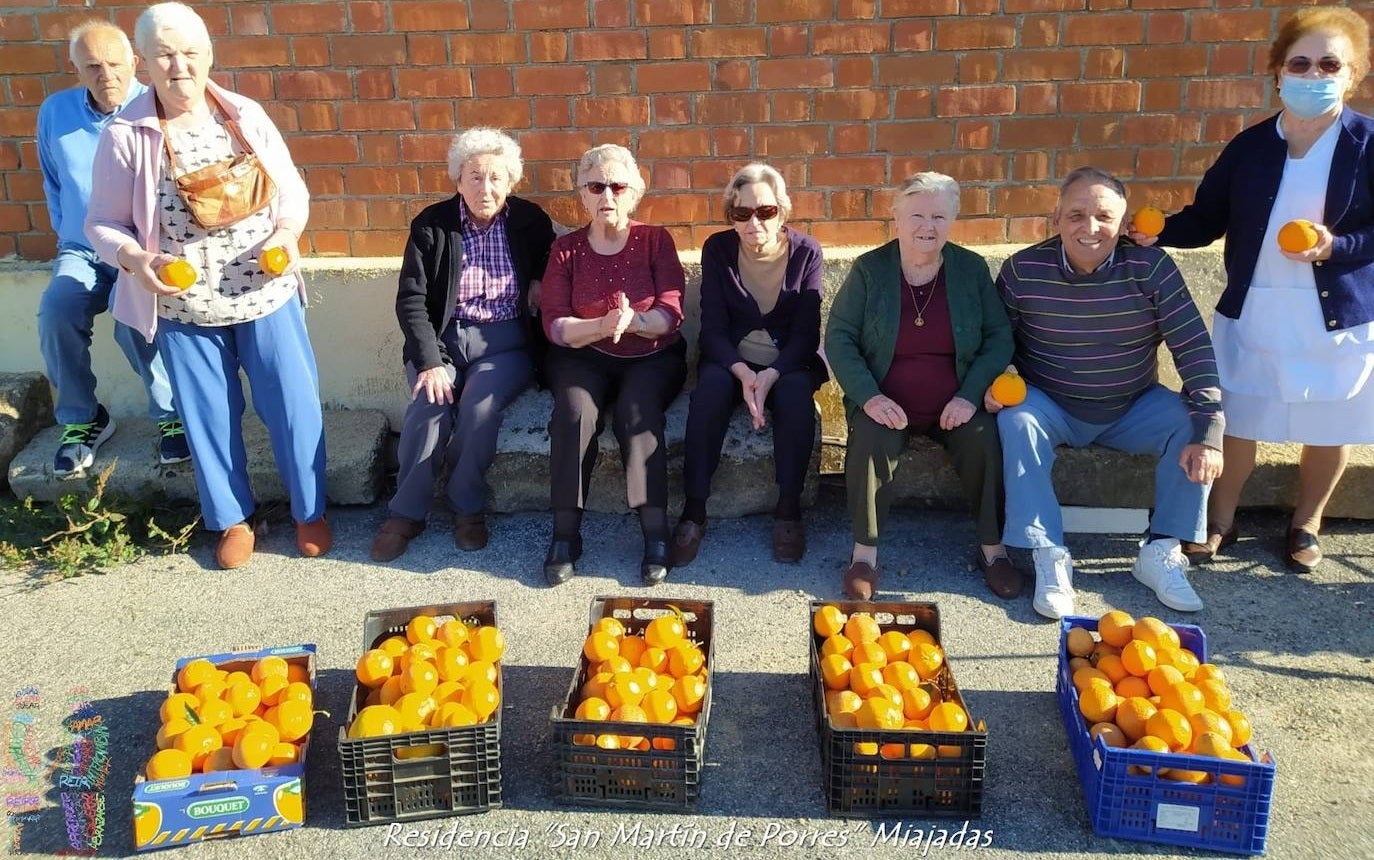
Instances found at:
x=434 y=259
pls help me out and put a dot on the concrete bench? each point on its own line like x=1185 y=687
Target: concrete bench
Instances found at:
x=25 y=408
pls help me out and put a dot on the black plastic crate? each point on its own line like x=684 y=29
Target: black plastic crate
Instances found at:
x=425 y=774
x=871 y=773
x=667 y=776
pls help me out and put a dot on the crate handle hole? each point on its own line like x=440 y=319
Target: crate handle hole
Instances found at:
x=420 y=751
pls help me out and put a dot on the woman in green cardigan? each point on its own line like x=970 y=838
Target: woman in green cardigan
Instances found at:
x=915 y=337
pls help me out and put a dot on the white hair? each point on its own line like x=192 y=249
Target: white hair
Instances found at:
x=485 y=141
x=758 y=172
x=929 y=182
x=611 y=153
x=177 y=17
x=96 y=25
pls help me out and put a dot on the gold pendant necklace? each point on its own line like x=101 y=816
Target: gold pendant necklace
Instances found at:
x=921 y=308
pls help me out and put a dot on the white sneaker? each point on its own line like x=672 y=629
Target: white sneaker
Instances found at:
x=1053 y=582
x=1160 y=566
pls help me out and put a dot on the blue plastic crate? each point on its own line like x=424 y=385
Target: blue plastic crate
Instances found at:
x=1146 y=807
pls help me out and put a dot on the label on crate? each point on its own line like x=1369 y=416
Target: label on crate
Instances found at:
x=1171 y=816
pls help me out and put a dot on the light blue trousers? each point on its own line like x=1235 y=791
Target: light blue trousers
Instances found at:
x=81 y=288
x=1157 y=423
x=274 y=352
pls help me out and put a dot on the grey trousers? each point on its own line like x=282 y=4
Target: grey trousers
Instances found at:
x=491 y=368
x=870 y=461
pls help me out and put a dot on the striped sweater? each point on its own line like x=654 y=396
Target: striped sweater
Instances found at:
x=1091 y=341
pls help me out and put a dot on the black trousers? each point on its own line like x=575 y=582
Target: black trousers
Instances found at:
x=637 y=392
x=793 y=407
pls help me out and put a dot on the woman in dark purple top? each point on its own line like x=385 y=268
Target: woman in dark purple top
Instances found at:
x=760 y=331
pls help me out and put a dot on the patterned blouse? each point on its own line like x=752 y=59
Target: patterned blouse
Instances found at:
x=230 y=286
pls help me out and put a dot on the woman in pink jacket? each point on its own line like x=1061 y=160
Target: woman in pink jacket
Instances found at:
x=236 y=315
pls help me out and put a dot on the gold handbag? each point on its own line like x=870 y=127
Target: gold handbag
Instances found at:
x=226 y=192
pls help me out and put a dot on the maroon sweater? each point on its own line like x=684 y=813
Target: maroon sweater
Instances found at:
x=581 y=283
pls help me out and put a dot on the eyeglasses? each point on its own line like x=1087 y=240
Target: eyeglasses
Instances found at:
x=744 y=213
x=1303 y=65
x=599 y=188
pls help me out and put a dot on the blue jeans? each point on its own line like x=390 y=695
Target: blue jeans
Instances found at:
x=81 y=287
x=275 y=353
x=1157 y=423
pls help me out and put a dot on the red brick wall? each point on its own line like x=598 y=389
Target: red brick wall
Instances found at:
x=846 y=97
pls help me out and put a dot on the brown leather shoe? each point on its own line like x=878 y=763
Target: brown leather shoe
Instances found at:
x=393 y=538
x=1304 y=552
x=314 y=538
x=789 y=541
x=1217 y=540
x=860 y=581
x=470 y=531
x=235 y=546
x=686 y=543
x=1002 y=577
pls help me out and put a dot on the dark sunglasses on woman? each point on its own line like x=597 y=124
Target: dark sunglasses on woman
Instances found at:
x=1303 y=65
x=744 y=213
x=599 y=188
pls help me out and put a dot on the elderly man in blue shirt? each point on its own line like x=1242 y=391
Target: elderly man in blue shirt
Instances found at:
x=69 y=127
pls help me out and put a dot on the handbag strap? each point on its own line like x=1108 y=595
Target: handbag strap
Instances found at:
x=230 y=124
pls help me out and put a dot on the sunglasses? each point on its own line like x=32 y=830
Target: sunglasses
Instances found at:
x=599 y=188
x=744 y=213
x=1303 y=65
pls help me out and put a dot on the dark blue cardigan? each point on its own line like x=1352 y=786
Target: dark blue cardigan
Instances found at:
x=1235 y=198
x=729 y=312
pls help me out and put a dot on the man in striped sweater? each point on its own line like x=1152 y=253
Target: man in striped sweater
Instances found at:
x=1089 y=311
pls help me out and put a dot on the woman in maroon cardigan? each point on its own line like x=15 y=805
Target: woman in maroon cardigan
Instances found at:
x=611 y=305
x=760 y=331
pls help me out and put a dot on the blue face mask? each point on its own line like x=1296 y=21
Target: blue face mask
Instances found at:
x=1309 y=98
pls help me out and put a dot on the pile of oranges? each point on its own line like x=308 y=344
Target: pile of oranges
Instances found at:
x=658 y=677
x=436 y=676
x=218 y=720
x=1139 y=688
x=886 y=680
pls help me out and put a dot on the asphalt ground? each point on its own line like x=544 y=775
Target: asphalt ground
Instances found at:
x=1296 y=649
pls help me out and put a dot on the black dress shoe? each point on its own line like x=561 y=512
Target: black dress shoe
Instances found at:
x=654 y=568
x=1304 y=552
x=558 y=564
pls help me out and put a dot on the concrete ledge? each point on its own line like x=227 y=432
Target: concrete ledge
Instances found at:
x=1100 y=477
x=25 y=408
x=744 y=484
x=355 y=440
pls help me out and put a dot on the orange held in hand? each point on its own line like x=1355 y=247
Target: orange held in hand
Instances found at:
x=274 y=260
x=1298 y=236
x=178 y=273
x=1149 y=220
x=1009 y=389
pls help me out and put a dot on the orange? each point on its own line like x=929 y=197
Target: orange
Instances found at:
x=1079 y=642
x=193 y=674
x=487 y=643
x=269 y=667
x=600 y=646
x=625 y=689
x=615 y=665
x=901 y=674
x=835 y=669
x=421 y=652
x=178 y=706
x=1240 y=728
x=415 y=710
x=1132 y=716
x=273 y=260
x=1153 y=744
x=211 y=690
x=168 y=764
x=219 y=761
x=1098 y=703
x=451 y=663
x=1076 y=663
x=169 y=731
x=1111 y=666
x=1211 y=744
x=1008 y=388
x=653 y=659
x=918 y=636
x=648 y=677
x=284 y=753
x=869 y=652
x=252 y=750
x=892 y=751
x=685 y=659
x=375 y=721
x=665 y=631
x=927 y=659
x=178 y=273
x=1148 y=220
x=1231 y=778
x=258 y=725
x=481 y=697
x=689 y=691
x=1207 y=723
x=1208 y=672
x=630 y=714
x=1171 y=727
x=878 y=713
x=395 y=646
x=1216 y=695
x=837 y=644
x=1083 y=677
x=1155 y=633
x=214 y=712
x=447 y=691
x=828 y=621
x=1131 y=686
x=374 y=667
x=865 y=678
x=1186 y=662
x=842 y=701
x=198 y=742
x=451 y=633
x=1115 y=627
x=595 y=687
x=895 y=645
x=229 y=730
x=292 y=719
x=1111 y=734
x=1298 y=236
x=390 y=691
x=421 y=629
x=455 y=715
x=1139 y=658
x=917 y=702
x=660 y=707
x=419 y=678
x=1183 y=697
x=861 y=628
x=593 y=708
x=947 y=717
x=611 y=625
x=298 y=691
x=631 y=647
x=889 y=692
x=1162 y=678
x=1102 y=649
